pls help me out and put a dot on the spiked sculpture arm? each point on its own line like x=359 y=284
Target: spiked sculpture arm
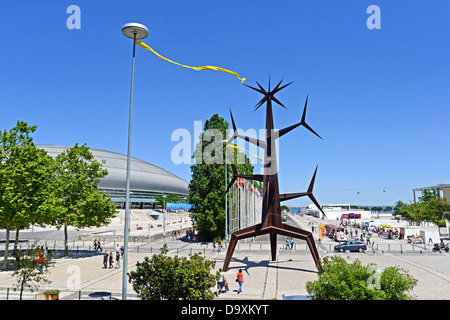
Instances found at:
x=289 y=196
x=233 y=179
x=309 y=193
x=257 y=142
x=282 y=132
x=268 y=95
x=257 y=177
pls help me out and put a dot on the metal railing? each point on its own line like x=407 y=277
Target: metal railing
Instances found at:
x=391 y=247
x=11 y=294
x=184 y=247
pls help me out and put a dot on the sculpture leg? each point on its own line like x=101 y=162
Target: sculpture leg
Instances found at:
x=285 y=230
x=235 y=237
x=273 y=245
x=230 y=250
x=314 y=252
x=298 y=233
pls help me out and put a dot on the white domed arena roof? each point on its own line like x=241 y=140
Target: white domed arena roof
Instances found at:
x=145 y=177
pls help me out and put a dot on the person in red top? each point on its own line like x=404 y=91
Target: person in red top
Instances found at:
x=41 y=263
x=240 y=280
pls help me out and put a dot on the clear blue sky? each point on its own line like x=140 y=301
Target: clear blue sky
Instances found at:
x=379 y=98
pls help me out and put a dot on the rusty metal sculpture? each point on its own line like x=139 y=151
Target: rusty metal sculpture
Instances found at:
x=271 y=210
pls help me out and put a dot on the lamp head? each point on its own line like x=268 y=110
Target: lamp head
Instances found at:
x=129 y=29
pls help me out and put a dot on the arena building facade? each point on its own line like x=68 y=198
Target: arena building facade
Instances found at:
x=146 y=180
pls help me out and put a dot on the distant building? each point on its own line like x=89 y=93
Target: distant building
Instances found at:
x=146 y=182
x=337 y=212
x=445 y=188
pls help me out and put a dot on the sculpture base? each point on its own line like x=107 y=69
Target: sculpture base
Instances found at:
x=284 y=229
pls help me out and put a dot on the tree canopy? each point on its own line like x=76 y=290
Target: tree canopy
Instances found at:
x=429 y=208
x=26 y=191
x=174 y=278
x=36 y=189
x=170 y=198
x=81 y=205
x=340 y=280
x=207 y=185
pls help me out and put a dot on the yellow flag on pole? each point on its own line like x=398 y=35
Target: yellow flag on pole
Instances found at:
x=233 y=146
x=145 y=46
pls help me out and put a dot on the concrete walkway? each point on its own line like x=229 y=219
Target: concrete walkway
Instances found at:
x=82 y=276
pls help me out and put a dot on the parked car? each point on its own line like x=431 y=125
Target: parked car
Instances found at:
x=415 y=240
x=353 y=245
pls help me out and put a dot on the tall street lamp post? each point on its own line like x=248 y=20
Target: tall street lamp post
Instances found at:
x=164 y=217
x=226 y=198
x=135 y=31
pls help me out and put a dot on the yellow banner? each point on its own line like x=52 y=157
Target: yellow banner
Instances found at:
x=321 y=231
x=233 y=146
x=145 y=46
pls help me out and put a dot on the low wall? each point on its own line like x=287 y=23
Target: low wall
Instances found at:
x=108 y=236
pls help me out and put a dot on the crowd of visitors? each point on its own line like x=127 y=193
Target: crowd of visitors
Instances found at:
x=190 y=235
x=111 y=258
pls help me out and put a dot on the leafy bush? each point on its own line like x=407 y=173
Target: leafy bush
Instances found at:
x=174 y=278
x=52 y=293
x=340 y=280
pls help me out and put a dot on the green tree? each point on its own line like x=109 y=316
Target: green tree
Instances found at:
x=412 y=212
x=429 y=208
x=28 y=273
x=173 y=278
x=340 y=280
x=207 y=185
x=26 y=194
x=436 y=210
x=81 y=205
x=396 y=282
x=428 y=195
x=172 y=198
x=435 y=206
x=446 y=215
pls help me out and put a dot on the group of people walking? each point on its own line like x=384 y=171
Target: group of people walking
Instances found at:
x=190 y=235
x=113 y=257
x=289 y=243
x=217 y=244
x=97 y=245
x=222 y=284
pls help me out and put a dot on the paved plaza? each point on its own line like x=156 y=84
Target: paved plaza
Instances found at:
x=81 y=276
